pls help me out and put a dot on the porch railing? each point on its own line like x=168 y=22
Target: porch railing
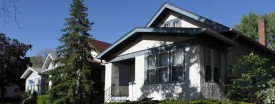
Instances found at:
x=116 y=93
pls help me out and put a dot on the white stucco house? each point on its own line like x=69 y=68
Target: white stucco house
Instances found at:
x=37 y=78
x=177 y=55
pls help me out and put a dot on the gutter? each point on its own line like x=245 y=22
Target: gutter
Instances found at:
x=219 y=36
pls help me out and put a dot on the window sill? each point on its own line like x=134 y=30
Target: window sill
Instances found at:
x=212 y=82
x=165 y=83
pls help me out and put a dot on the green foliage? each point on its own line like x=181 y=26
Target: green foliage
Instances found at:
x=13 y=62
x=195 y=101
x=38 y=60
x=267 y=96
x=249 y=27
x=247 y=86
x=43 y=99
x=74 y=81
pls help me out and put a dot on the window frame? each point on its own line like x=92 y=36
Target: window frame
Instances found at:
x=158 y=67
x=169 y=66
x=150 y=69
x=174 y=65
x=212 y=65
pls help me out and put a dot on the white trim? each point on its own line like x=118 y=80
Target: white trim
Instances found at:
x=49 y=55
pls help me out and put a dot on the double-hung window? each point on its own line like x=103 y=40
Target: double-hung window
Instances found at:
x=163 y=70
x=165 y=67
x=177 y=65
x=212 y=65
x=151 y=71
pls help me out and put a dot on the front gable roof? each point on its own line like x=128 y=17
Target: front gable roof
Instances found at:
x=168 y=9
x=49 y=59
x=30 y=70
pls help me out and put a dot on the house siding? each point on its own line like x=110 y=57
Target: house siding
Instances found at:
x=189 y=89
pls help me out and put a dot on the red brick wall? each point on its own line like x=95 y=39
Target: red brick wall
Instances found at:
x=262 y=32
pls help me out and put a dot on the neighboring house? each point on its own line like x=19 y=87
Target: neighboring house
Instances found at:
x=36 y=78
x=177 y=55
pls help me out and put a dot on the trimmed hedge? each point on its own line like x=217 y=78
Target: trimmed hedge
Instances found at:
x=43 y=99
x=196 y=101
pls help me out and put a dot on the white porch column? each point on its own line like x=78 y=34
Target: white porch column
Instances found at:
x=108 y=81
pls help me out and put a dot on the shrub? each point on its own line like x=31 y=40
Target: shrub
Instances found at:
x=195 y=101
x=254 y=80
x=43 y=99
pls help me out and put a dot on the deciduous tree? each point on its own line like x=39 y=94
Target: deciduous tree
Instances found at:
x=258 y=72
x=13 y=62
x=249 y=27
x=38 y=60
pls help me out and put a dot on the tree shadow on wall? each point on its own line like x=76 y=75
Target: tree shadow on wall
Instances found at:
x=189 y=88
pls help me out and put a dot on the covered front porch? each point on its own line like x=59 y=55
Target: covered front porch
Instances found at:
x=122 y=78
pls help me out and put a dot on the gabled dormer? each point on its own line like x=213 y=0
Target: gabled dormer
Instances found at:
x=172 y=16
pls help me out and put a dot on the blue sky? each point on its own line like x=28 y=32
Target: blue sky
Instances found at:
x=42 y=20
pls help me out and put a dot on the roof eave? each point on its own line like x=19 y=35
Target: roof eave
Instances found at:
x=218 y=27
x=166 y=30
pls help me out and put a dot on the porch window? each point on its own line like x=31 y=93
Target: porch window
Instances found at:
x=177 y=65
x=212 y=65
x=163 y=67
x=151 y=76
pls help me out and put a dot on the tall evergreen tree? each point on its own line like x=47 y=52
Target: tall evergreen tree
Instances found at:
x=73 y=82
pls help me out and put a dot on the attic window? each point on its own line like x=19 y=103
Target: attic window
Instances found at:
x=167 y=25
x=176 y=23
x=172 y=23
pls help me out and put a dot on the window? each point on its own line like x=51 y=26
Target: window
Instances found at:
x=176 y=23
x=151 y=76
x=163 y=67
x=167 y=24
x=212 y=65
x=166 y=71
x=177 y=65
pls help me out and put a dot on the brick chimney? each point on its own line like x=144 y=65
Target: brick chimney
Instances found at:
x=262 y=32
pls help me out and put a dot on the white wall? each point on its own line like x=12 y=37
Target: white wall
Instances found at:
x=146 y=42
x=189 y=89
